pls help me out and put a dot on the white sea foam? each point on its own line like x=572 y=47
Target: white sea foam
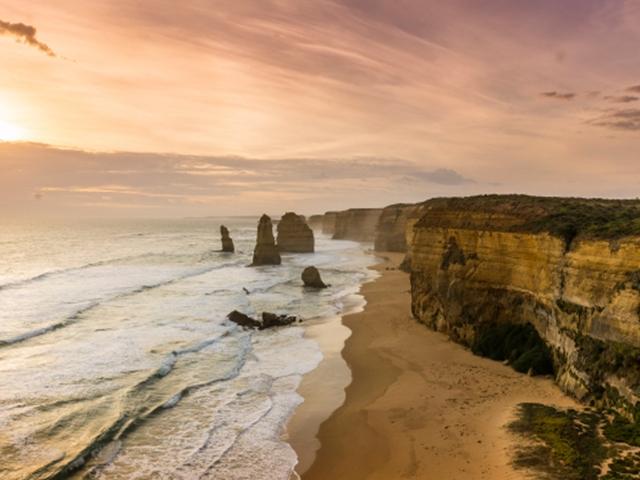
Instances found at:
x=120 y=338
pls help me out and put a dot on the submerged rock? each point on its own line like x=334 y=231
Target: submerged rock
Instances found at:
x=311 y=278
x=294 y=235
x=243 y=320
x=269 y=320
x=227 y=242
x=266 y=251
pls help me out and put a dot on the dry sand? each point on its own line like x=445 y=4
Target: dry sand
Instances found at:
x=419 y=406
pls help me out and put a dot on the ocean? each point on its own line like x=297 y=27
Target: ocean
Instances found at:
x=117 y=361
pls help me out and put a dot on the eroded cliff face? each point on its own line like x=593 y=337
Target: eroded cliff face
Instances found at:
x=471 y=268
x=315 y=222
x=329 y=223
x=357 y=224
x=395 y=225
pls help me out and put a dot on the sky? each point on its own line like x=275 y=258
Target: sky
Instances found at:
x=203 y=107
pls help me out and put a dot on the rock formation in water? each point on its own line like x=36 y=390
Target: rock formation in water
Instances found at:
x=266 y=251
x=227 y=242
x=357 y=224
x=294 y=235
x=484 y=269
x=329 y=223
x=311 y=278
x=269 y=320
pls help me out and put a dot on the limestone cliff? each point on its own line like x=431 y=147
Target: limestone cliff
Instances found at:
x=315 y=222
x=266 y=251
x=395 y=227
x=357 y=224
x=294 y=235
x=329 y=223
x=569 y=267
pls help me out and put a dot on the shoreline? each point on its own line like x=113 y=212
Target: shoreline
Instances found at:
x=323 y=389
x=418 y=405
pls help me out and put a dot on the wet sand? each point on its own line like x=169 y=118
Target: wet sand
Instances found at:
x=418 y=407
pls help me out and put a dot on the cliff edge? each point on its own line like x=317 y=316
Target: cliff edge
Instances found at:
x=484 y=269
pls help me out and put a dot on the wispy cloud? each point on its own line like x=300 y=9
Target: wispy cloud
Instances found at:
x=622 y=98
x=25 y=34
x=634 y=89
x=559 y=95
x=628 y=120
x=80 y=178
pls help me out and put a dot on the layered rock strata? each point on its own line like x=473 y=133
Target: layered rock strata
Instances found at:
x=266 y=251
x=568 y=267
x=357 y=224
x=294 y=235
x=227 y=242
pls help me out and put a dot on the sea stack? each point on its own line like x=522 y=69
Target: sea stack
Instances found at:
x=294 y=235
x=266 y=251
x=227 y=242
x=311 y=278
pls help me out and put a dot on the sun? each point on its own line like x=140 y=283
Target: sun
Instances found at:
x=10 y=132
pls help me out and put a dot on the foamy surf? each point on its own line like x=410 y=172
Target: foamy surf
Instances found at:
x=127 y=368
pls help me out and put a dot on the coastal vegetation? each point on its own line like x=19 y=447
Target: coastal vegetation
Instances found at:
x=577 y=445
x=567 y=218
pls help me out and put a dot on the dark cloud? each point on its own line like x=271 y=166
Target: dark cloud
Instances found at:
x=25 y=34
x=628 y=120
x=634 y=89
x=622 y=99
x=559 y=95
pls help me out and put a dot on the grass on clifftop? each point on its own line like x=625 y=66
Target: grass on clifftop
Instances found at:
x=567 y=218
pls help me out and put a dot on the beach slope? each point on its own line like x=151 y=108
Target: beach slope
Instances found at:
x=420 y=406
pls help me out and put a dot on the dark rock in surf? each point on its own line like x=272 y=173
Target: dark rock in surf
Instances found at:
x=266 y=251
x=269 y=320
x=227 y=242
x=243 y=320
x=311 y=278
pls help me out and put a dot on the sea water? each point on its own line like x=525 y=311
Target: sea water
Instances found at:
x=117 y=360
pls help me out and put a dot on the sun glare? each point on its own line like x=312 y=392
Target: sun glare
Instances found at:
x=10 y=132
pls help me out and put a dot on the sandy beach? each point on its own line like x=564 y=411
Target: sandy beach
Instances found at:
x=418 y=407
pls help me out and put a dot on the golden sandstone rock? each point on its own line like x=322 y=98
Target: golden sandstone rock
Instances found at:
x=521 y=260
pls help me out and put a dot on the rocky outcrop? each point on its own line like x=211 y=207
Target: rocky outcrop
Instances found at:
x=311 y=278
x=268 y=320
x=357 y=224
x=266 y=251
x=315 y=222
x=294 y=235
x=570 y=268
x=227 y=242
x=329 y=223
